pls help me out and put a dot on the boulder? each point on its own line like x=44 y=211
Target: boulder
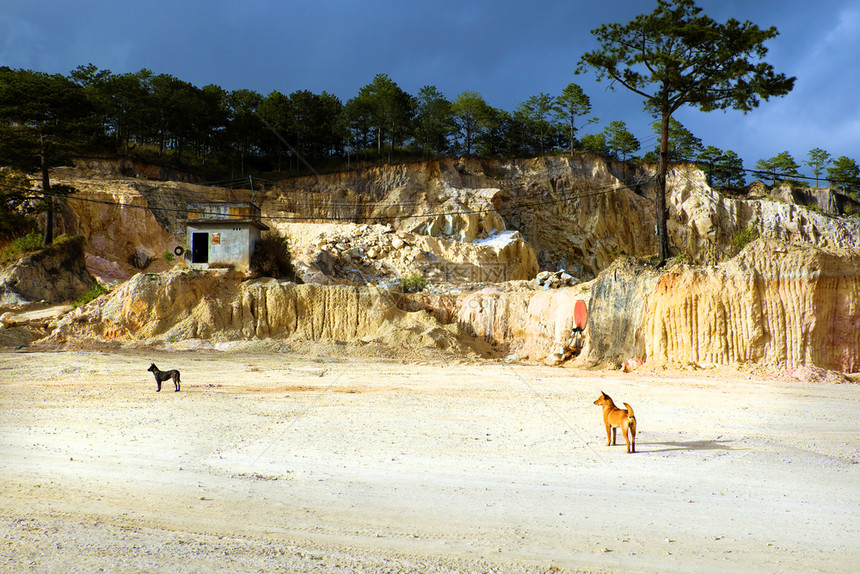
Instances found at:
x=56 y=274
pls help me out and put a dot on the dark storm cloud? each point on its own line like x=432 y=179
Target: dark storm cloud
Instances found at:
x=504 y=49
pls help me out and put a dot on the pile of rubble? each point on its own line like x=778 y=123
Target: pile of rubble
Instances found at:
x=381 y=255
x=553 y=280
x=364 y=241
x=367 y=254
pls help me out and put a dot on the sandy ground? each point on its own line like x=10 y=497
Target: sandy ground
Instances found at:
x=284 y=463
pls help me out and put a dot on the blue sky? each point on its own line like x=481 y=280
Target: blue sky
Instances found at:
x=506 y=50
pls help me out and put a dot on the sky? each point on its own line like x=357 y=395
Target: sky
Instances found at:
x=506 y=50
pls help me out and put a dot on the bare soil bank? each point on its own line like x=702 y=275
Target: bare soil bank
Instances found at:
x=286 y=463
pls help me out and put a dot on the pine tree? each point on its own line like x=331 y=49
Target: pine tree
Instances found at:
x=675 y=56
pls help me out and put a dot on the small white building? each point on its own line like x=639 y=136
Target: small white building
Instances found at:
x=222 y=234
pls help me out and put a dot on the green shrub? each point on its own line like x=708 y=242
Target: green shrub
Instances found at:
x=28 y=243
x=682 y=258
x=745 y=236
x=168 y=256
x=97 y=290
x=413 y=283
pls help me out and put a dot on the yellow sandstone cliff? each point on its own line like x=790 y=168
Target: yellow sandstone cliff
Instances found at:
x=775 y=304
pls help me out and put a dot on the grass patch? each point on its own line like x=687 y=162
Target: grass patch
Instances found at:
x=21 y=246
x=744 y=237
x=94 y=292
x=413 y=283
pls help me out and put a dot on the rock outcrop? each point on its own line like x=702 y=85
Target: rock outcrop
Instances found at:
x=128 y=223
x=703 y=222
x=579 y=214
x=616 y=312
x=515 y=320
x=56 y=274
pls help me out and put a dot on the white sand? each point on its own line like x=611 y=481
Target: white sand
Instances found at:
x=293 y=464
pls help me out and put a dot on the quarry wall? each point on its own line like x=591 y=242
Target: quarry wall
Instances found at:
x=791 y=298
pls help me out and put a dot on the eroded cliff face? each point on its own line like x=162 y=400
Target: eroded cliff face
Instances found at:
x=515 y=320
x=776 y=304
x=123 y=234
x=773 y=304
x=439 y=198
x=703 y=222
x=221 y=306
x=616 y=312
x=577 y=214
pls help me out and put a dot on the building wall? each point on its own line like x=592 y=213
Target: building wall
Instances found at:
x=228 y=244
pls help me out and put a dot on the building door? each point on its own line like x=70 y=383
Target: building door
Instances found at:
x=200 y=248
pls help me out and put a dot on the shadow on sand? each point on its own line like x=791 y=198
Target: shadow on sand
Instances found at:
x=685 y=445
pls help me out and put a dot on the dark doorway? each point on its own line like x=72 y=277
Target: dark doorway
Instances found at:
x=200 y=248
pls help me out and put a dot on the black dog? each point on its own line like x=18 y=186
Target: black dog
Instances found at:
x=163 y=376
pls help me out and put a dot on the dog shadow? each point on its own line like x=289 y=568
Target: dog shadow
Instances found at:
x=670 y=446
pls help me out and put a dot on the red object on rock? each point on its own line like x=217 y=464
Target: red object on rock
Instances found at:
x=580 y=314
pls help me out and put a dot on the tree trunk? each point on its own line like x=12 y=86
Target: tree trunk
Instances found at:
x=572 y=134
x=391 y=142
x=48 y=237
x=468 y=141
x=662 y=232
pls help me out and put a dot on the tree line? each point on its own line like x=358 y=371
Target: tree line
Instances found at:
x=92 y=110
x=48 y=117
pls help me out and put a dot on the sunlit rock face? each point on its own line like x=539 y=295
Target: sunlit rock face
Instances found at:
x=775 y=304
x=482 y=233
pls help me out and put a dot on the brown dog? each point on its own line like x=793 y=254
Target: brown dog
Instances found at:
x=613 y=418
